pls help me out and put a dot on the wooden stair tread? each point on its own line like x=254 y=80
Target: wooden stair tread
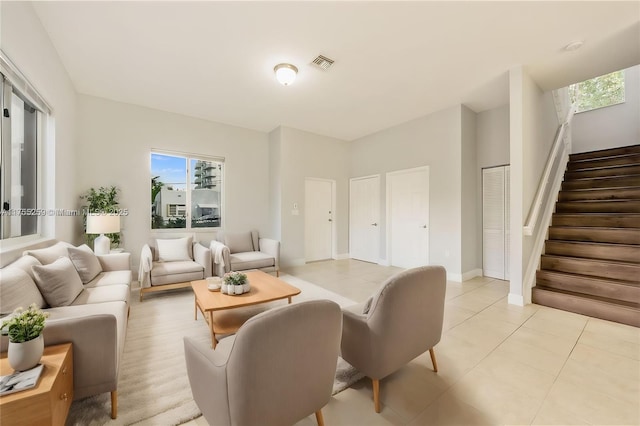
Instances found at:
x=582 y=259
x=614 y=302
x=591 y=278
x=608 y=152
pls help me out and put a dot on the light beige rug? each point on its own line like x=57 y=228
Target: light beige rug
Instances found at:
x=153 y=388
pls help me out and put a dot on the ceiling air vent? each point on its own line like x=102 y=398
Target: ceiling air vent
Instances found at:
x=323 y=62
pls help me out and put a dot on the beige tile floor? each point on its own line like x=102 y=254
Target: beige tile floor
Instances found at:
x=498 y=363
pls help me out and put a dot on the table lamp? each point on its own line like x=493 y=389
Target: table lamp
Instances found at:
x=102 y=224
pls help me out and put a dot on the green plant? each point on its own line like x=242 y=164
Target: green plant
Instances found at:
x=101 y=200
x=235 y=278
x=24 y=325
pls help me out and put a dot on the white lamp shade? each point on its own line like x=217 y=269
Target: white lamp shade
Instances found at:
x=103 y=224
x=285 y=73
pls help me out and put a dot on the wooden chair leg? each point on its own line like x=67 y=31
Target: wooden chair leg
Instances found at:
x=433 y=360
x=319 y=418
x=114 y=404
x=376 y=394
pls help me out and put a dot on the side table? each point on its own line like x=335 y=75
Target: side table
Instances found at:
x=48 y=403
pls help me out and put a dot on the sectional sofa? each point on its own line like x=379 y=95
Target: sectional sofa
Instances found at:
x=87 y=298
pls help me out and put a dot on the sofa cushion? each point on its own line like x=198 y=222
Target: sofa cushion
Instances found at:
x=251 y=260
x=50 y=254
x=110 y=278
x=170 y=268
x=177 y=278
x=173 y=250
x=58 y=282
x=25 y=263
x=17 y=289
x=238 y=242
x=85 y=262
x=111 y=293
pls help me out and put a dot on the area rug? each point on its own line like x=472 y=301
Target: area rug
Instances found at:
x=153 y=388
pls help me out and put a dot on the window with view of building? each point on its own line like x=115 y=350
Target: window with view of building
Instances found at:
x=598 y=92
x=186 y=192
x=20 y=125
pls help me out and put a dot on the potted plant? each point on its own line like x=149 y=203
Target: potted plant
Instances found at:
x=26 y=344
x=236 y=282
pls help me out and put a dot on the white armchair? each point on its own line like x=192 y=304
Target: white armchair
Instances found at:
x=167 y=264
x=240 y=251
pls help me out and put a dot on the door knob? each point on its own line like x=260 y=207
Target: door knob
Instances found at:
x=424 y=226
x=330 y=220
x=374 y=224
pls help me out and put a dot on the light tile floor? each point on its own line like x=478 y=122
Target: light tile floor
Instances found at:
x=498 y=363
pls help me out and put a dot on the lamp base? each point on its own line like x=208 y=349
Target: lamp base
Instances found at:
x=101 y=245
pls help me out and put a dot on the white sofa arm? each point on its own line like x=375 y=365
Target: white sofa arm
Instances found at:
x=272 y=248
x=219 y=258
x=115 y=262
x=202 y=256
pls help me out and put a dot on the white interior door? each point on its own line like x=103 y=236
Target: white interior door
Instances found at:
x=507 y=220
x=408 y=217
x=364 y=218
x=318 y=208
x=495 y=222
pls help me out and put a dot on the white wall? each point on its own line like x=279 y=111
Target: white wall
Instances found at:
x=26 y=43
x=303 y=155
x=115 y=141
x=610 y=127
x=275 y=182
x=433 y=141
x=470 y=265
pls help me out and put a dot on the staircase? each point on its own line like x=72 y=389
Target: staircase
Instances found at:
x=591 y=264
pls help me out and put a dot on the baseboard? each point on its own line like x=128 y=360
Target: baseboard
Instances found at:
x=471 y=274
x=454 y=277
x=342 y=256
x=384 y=262
x=515 y=299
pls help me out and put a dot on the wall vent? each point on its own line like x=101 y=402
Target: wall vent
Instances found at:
x=323 y=62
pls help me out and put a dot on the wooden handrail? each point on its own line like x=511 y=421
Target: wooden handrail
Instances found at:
x=534 y=211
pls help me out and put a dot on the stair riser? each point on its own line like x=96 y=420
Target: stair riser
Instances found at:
x=591 y=286
x=625 y=206
x=608 y=171
x=612 y=152
x=604 y=162
x=603 y=220
x=614 y=236
x=600 y=194
x=604 y=182
x=593 y=268
x=592 y=308
x=622 y=253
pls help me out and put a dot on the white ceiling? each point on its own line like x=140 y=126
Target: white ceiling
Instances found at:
x=395 y=61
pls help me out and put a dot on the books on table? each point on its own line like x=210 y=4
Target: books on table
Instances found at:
x=20 y=380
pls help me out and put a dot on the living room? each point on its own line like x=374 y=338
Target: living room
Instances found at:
x=102 y=140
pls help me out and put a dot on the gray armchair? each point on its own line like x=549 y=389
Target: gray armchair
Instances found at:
x=240 y=251
x=402 y=320
x=167 y=264
x=278 y=369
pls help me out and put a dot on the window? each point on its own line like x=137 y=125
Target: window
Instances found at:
x=19 y=151
x=598 y=92
x=186 y=192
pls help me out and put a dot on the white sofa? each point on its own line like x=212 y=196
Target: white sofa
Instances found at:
x=241 y=251
x=94 y=321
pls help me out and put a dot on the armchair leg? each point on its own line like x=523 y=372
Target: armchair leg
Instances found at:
x=277 y=273
x=114 y=404
x=433 y=360
x=319 y=418
x=376 y=394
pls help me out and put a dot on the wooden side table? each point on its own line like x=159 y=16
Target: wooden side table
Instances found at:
x=48 y=403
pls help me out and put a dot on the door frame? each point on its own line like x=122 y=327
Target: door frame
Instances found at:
x=334 y=233
x=388 y=218
x=351 y=180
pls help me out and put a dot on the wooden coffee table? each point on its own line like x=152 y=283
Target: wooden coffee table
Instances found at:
x=215 y=306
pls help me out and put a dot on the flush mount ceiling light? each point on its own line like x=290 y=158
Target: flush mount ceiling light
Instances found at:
x=285 y=73
x=575 y=45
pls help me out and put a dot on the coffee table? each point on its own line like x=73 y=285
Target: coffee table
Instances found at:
x=215 y=306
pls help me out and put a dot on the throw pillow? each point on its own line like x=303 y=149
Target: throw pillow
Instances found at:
x=85 y=262
x=240 y=242
x=173 y=250
x=17 y=289
x=50 y=254
x=25 y=263
x=58 y=282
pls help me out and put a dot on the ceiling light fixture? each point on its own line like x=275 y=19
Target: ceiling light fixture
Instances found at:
x=573 y=46
x=285 y=73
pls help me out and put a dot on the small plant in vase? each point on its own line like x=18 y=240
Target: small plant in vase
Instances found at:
x=236 y=282
x=26 y=344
